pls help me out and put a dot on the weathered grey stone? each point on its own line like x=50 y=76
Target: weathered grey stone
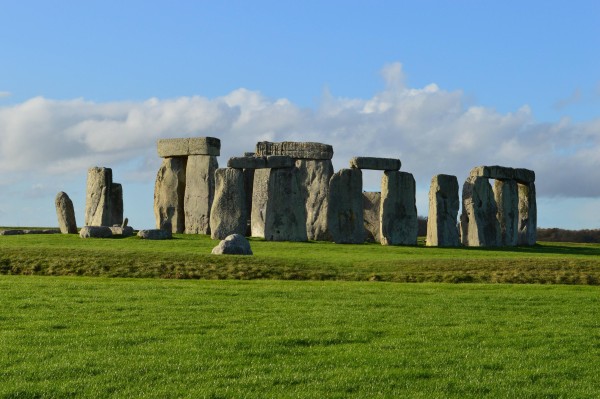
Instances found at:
x=125 y=222
x=228 y=212
x=234 y=244
x=155 y=234
x=126 y=231
x=398 y=213
x=524 y=176
x=116 y=204
x=248 y=189
x=65 y=214
x=527 y=214
x=443 y=211
x=371 y=211
x=168 y=148
x=95 y=232
x=199 y=192
x=41 y=231
x=478 y=223
x=279 y=161
x=314 y=176
x=11 y=232
x=345 y=209
x=249 y=154
x=375 y=163
x=506 y=195
x=278 y=210
x=251 y=162
x=169 y=194
x=97 y=203
x=294 y=149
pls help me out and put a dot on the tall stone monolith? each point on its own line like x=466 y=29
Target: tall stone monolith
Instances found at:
x=228 y=211
x=442 y=230
x=478 y=224
x=97 y=203
x=506 y=195
x=314 y=176
x=169 y=194
x=65 y=214
x=199 y=192
x=371 y=202
x=398 y=213
x=345 y=209
x=527 y=214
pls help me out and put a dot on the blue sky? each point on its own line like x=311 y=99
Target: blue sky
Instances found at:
x=443 y=85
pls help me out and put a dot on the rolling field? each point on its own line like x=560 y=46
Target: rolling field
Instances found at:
x=188 y=256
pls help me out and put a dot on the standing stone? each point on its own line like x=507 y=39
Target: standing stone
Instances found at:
x=248 y=189
x=443 y=210
x=527 y=214
x=478 y=223
x=314 y=176
x=169 y=193
x=199 y=192
x=398 y=213
x=97 y=203
x=65 y=213
x=228 y=212
x=116 y=204
x=278 y=211
x=506 y=195
x=345 y=209
x=371 y=202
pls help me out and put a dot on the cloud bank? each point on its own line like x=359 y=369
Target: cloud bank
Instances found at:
x=430 y=129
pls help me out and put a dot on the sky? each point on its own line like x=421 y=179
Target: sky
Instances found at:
x=443 y=85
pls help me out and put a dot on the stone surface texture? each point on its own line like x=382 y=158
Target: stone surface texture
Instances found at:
x=234 y=244
x=374 y=163
x=527 y=234
x=228 y=212
x=314 y=176
x=506 y=195
x=294 y=149
x=521 y=175
x=371 y=210
x=97 y=203
x=126 y=231
x=183 y=147
x=116 y=204
x=442 y=230
x=155 y=234
x=345 y=207
x=95 y=232
x=478 y=224
x=65 y=214
x=169 y=195
x=199 y=193
x=398 y=212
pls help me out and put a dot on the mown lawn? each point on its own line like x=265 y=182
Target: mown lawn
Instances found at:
x=188 y=256
x=84 y=337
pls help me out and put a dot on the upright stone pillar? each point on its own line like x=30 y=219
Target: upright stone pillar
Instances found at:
x=116 y=204
x=199 y=192
x=371 y=211
x=97 y=204
x=527 y=234
x=443 y=211
x=169 y=193
x=478 y=223
x=228 y=212
x=398 y=214
x=345 y=211
x=314 y=178
x=507 y=199
x=65 y=214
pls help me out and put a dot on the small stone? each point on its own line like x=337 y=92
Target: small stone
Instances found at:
x=374 y=163
x=234 y=244
x=155 y=234
x=95 y=232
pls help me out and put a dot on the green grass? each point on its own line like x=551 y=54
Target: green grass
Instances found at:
x=188 y=256
x=82 y=337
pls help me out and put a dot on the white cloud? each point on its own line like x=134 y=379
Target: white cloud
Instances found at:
x=431 y=130
x=5 y=94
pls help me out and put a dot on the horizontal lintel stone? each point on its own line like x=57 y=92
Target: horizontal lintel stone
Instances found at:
x=295 y=149
x=521 y=175
x=374 y=163
x=189 y=146
x=272 y=161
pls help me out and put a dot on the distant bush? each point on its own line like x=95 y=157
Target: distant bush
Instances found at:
x=562 y=235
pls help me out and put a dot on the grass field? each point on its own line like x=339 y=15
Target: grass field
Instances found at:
x=188 y=256
x=95 y=337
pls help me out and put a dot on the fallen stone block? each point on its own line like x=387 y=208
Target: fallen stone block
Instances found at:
x=155 y=234
x=374 y=163
x=95 y=232
x=126 y=231
x=234 y=244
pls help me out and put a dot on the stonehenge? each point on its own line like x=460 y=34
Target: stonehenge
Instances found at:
x=104 y=198
x=289 y=191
